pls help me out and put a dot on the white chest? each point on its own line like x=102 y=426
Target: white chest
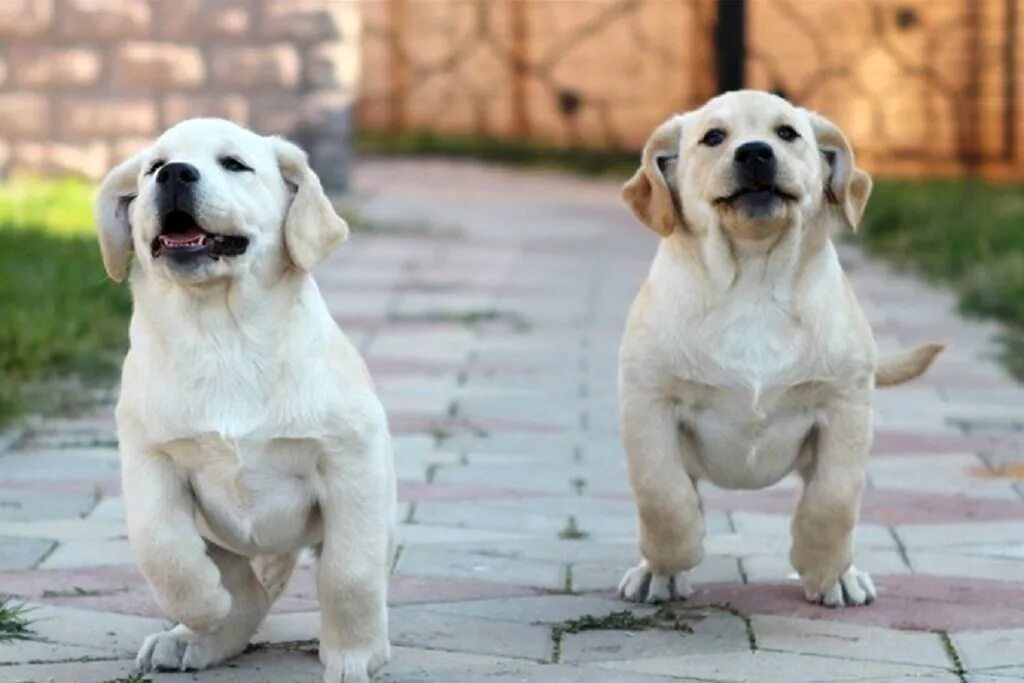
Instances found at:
x=253 y=496
x=753 y=380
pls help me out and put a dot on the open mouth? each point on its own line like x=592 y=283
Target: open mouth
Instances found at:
x=182 y=238
x=757 y=193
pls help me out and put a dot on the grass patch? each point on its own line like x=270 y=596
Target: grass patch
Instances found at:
x=572 y=531
x=59 y=315
x=14 y=621
x=966 y=234
x=592 y=162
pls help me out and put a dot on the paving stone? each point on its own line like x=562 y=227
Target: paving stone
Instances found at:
x=712 y=631
x=22 y=553
x=453 y=562
x=114 y=632
x=69 y=672
x=547 y=609
x=17 y=651
x=983 y=649
x=89 y=553
x=28 y=505
x=419 y=627
x=848 y=641
x=947 y=564
x=742 y=667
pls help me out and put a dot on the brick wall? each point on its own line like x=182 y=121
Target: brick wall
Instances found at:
x=85 y=83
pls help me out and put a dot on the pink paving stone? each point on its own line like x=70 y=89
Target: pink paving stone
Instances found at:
x=905 y=602
x=422 y=492
x=896 y=442
x=420 y=423
x=882 y=507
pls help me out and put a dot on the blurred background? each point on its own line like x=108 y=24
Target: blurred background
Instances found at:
x=929 y=92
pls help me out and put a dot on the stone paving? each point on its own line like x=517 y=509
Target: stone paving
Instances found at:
x=489 y=304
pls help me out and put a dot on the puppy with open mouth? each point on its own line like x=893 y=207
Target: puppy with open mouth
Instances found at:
x=249 y=427
x=746 y=355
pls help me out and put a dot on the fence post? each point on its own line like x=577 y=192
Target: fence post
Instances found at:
x=731 y=44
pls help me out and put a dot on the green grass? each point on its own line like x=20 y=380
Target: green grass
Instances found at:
x=966 y=234
x=14 y=621
x=59 y=315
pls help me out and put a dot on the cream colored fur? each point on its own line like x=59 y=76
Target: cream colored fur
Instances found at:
x=249 y=426
x=746 y=355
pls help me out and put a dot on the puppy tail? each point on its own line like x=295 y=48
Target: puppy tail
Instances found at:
x=902 y=366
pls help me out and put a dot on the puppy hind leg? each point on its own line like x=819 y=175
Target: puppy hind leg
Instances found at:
x=182 y=649
x=669 y=509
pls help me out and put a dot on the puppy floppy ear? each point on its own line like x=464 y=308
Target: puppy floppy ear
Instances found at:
x=116 y=193
x=651 y=192
x=846 y=186
x=312 y=229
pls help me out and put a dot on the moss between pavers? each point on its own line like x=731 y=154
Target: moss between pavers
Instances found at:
x=667 y=618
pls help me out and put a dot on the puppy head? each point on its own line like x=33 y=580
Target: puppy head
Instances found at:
x=211 y=200
x=748 y=162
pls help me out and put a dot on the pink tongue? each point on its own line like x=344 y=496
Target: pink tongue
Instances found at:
x=191 y=237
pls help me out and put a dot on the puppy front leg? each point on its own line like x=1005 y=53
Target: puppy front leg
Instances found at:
x=159 y=511
x=668 y=505
x=354 y=562
x=825 y=518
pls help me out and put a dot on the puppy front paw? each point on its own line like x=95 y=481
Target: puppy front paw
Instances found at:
x=354 y=666
x=853 y=588
x=181 y=649
x=639 y=584
x=204 y=611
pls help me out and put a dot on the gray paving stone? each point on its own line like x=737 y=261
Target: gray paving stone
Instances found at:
x=547 y=609
x=119 y=633
x=539 y=673
x=22 y=553
x=453 y=562
x=848 y=641
x=712 y=631
x=418 y=627
x=745 y=667
x=26 y=505
x=68 y=672
x=984 y=649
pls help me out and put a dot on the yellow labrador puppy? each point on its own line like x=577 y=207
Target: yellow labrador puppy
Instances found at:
x=746 y=355
x=248 y=424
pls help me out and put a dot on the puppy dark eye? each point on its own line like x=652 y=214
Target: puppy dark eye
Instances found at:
x=155 y=166
x=713 y=138
x=233 y=164
x=787 y=133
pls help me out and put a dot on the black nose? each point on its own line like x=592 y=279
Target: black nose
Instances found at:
x=755 y=162
x=178 y=172
x=754 y=153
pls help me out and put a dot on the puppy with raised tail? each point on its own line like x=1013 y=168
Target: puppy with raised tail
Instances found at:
x=746 y=355
x=249 y=427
